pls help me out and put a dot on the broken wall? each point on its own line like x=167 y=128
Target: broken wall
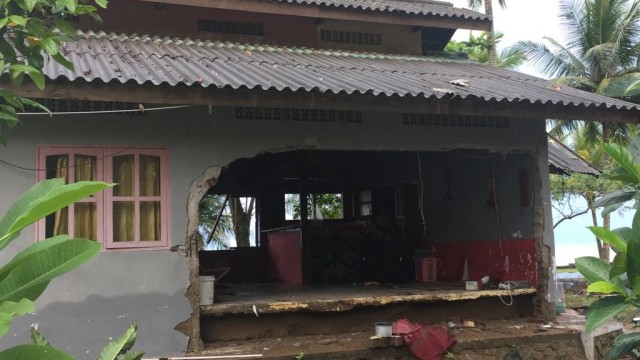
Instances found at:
x=81 y=310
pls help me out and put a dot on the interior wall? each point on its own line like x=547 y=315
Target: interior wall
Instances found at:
x=457 y=187
x=99 y=301
x=479 y=210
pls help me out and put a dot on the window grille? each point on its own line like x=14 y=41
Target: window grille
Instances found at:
x=305 y=115
x=351 y=37
x=231 y=27
x=473 y=121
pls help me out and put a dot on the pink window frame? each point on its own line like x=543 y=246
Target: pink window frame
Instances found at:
x=109 y=244
x=43 y=152
x=104 y=200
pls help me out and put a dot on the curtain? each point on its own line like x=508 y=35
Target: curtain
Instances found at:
x=123 y=211
x=61 y=218
x=149 y=186
x=85 y=221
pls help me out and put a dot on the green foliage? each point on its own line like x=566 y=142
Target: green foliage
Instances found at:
x=623 y=345
x=475 y=4
x=31 y=33
x=622 y=278
x=119 y=349
x=23 y=279
x=208 y=210
x=26 y=276
x=477 y=48
x=599 y=55
x=565 y=189
x=329 y=205
x=235 y=220
x=627 y=174
x=31 y=351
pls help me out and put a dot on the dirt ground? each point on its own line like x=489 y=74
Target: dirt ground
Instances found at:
x=491 y=340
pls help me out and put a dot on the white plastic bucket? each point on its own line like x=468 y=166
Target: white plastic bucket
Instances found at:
x=206 y=289
x=383 y=329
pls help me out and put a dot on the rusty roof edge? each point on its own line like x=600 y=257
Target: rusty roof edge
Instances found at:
x=595 y=171
x=370 y=93
x=460 y=13
x=363 y=7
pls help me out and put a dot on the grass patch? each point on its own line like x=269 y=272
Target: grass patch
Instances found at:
x=566 y=270
x=575 y=301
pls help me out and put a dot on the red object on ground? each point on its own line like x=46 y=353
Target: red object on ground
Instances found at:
x=424 y=342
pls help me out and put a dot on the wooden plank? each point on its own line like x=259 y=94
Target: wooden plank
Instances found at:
x=323 y=12
x=196 y=95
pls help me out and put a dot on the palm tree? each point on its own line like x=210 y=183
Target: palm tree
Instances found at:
x=600 y=55
x=477 y=48
x=588 y=187
x=488 y=10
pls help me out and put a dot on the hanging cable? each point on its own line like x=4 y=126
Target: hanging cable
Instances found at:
x=495 y=203
x=421 y=202
x=140 y=110
x=146 y=136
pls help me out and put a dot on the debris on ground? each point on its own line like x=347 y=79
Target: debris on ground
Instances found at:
x=424 y=342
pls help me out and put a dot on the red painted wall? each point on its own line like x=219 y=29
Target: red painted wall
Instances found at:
x=516 y=261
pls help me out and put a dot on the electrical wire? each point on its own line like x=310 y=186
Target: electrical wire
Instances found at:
x=507 y=286
x=421 y=202
x=143 y=138
x=142 y=110
x=495 y=205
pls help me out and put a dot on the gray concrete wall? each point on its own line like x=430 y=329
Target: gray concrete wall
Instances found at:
x=80 y=311
x=457 y=191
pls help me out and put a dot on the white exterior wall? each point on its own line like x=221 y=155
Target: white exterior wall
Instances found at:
x=80 y=311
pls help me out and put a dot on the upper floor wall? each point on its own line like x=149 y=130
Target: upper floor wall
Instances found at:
x=128 y=16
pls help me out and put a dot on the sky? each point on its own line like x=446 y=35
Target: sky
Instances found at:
x=534 y=20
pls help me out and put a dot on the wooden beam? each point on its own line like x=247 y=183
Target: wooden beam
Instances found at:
x=196 y=95
x=326 y=12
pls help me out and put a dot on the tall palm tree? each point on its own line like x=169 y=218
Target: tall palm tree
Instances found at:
x=600 y=55
x=488 y=10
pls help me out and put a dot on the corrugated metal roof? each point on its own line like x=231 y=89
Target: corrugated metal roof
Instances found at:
x=417 y=7
x=566 y=161
x=158 y=60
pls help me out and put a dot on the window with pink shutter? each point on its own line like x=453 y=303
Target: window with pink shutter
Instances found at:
x=131 y=215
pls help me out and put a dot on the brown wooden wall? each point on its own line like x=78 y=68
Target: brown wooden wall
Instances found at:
x=140 y=17
x=181 y=21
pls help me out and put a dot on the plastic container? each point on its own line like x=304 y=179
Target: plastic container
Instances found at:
x=206 y=289
x=426 y=269
x=383 y=329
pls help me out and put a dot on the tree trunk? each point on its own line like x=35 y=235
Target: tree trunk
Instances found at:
x=241 y=219
x=606 y=249
x=491 y=39
x=606 y=221
x=594 y=217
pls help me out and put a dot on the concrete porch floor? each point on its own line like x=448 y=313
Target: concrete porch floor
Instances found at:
x=280 y=298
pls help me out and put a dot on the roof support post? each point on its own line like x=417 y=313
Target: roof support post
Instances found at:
x=544 y=302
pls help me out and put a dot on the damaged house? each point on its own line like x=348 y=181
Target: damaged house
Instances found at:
x=437 y=163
